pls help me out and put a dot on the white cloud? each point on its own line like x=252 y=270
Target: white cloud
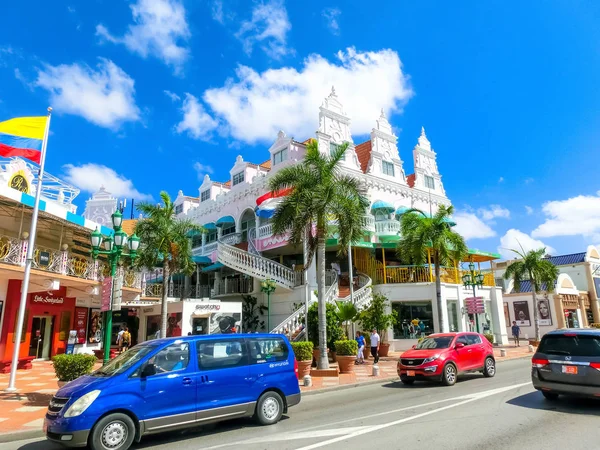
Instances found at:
x=90 y=177
x=517 y=240
x=268 y=27
x=501 y=180
x=103 y=96
x=258 y=105
x=196 y=122
x=529 y=180
x=494 y=211
x=172 y=95
x=469 y=226
x=331 y=16
x=217 y=11
x=202 y=169
x=160 y=29
x=528 y=210
x=574 y=216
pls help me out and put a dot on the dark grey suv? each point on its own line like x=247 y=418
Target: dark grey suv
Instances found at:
x=567 y=362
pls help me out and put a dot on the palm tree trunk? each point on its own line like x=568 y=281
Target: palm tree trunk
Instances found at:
x=537 y=315
x=323 y=362
x=438 y=295
x=165 y=296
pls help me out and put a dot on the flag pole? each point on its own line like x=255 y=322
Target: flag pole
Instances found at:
x=28 y=262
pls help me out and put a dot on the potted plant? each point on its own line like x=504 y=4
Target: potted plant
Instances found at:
x=375 y=316
x=334 y=330
x=303 y=351
x=346 y=351
x=71 y=367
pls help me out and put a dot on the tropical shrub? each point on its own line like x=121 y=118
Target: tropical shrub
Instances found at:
x=70 y=367
x=303 y=350
x=489 y=337
x=346 y=347
x=375 y=317
x=334 y=331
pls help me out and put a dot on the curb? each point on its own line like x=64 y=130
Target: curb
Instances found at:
x=12 y=436
x=377 y=381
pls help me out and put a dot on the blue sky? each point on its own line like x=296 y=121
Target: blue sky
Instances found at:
x=152 y=95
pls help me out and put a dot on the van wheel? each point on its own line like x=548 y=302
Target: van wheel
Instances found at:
x=269 y=408
x=113 y=432
x=489 y=369
x=449 y=375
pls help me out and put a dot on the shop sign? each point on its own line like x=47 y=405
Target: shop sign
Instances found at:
x=117 y=294
x=106 y=294
x=212 y=307
x=475 y=305
x=44 y=259
x=19 y=181
x=148 y=310
x=48 y=299
x=81 y=317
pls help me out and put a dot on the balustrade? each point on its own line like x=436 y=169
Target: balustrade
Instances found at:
x=368 y=223
x=265 y=231
x=387 y=227
x=234 y=286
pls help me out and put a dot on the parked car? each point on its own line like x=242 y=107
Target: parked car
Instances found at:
x=567 y=362
x=173 y=383
x=444 y=356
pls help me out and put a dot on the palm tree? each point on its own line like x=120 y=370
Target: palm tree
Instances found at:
x=421 y=234
x=541 y=273
x=347 y=312
x=320 y=193
x=166 y=243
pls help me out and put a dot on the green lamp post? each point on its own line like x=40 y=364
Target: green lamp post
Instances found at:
x=112 y=248
x=268 y=286
x=473 y=279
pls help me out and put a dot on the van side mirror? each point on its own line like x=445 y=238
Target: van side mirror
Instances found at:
x=459 y=345
x=148 y=370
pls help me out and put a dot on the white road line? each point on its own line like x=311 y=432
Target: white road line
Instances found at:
x=468 y=399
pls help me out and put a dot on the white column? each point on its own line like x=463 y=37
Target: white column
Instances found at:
x=498 y=321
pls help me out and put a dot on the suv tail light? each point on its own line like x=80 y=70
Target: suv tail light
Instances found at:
x=595 y=365
x=296 y=368
x=538 y=362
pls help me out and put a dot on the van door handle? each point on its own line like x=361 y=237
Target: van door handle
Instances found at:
x=203 y=378
x=187 y=381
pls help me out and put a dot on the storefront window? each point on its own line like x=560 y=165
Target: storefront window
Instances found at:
x=452 y=315
x=417 y=314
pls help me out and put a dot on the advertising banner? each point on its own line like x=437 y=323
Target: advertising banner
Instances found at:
x=522 y=316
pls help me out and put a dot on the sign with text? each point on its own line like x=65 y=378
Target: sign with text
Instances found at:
x=49 y=299
x=44 y=259
x=81 y=318
x=117 y=293
x=475 y=305
x=106 y=293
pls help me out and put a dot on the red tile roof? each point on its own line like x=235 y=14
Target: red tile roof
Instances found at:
x=266 y=165
x=363 y=153
x=411 y=180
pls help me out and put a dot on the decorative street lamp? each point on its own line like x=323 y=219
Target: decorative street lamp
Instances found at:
x=473 y=279
x=113 y=250
x=268 y=286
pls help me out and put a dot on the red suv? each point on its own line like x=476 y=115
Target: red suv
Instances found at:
x=441 y=357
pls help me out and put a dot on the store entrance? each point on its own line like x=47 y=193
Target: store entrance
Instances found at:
x=40 y=341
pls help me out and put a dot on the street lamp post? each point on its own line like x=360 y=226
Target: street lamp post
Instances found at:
x=268 y=286
x=473 y=279
x=113 y=250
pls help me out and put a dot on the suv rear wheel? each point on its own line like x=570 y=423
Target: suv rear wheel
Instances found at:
x=449 y=375
x=489 y=367
x=113 y=432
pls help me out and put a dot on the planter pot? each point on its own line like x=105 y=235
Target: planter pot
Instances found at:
x=384 y=349
x=332 y=356
x=346 y=363
x=317 y=354
x=304 y=368
x=534 y=342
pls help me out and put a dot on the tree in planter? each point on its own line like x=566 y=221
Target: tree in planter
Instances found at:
x=166 y=244
x=347 y=313
x=422 y=234
x=375 y=316
x=539 y=271
x=251 y=313
x=321 y=191
x=334 y=331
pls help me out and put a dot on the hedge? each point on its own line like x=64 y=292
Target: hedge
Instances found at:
x=303 y=350
x=346 y=347
x=70 y=367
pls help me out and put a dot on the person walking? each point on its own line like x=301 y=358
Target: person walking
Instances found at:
x=375 y=345
x=360 y=356
x=516 y=331
x=120 y=339
x=126 y=343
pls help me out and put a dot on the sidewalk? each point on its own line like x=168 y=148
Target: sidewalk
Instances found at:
x=24 y=410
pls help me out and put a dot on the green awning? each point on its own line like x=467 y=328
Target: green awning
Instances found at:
x=213 y=267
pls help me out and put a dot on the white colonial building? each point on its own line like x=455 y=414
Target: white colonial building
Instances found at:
x=239 y=249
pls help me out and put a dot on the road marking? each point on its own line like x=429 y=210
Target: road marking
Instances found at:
x=294 y=435
x=468 y=399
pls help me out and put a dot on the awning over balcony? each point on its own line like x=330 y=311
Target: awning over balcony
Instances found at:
x=227 y=220
x=210 y=226
x=201 y=259
x=215 y=266
x=401 y=210
x=380 y=205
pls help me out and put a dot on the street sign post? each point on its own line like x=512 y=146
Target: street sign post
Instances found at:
x=117 y=293
x=107 y=284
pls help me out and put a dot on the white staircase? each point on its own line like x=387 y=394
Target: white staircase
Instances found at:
x=253 y=264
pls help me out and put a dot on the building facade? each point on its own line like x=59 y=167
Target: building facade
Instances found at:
x=239 y=248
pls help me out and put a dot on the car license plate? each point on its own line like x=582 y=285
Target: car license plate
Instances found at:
x=572 y=370
x=410 y=373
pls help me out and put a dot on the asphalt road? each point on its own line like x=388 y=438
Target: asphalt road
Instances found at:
x=503 y=412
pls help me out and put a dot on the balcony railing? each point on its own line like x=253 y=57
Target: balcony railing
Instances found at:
x=177 y=289
x=265 y=231
x=387 y=227
x=369 y=223
x=234 y=286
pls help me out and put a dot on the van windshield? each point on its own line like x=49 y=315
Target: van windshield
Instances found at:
x=124 y=361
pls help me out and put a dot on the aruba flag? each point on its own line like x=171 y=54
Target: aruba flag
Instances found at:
x=23 y=137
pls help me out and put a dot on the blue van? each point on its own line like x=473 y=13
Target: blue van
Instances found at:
x=168 y=384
